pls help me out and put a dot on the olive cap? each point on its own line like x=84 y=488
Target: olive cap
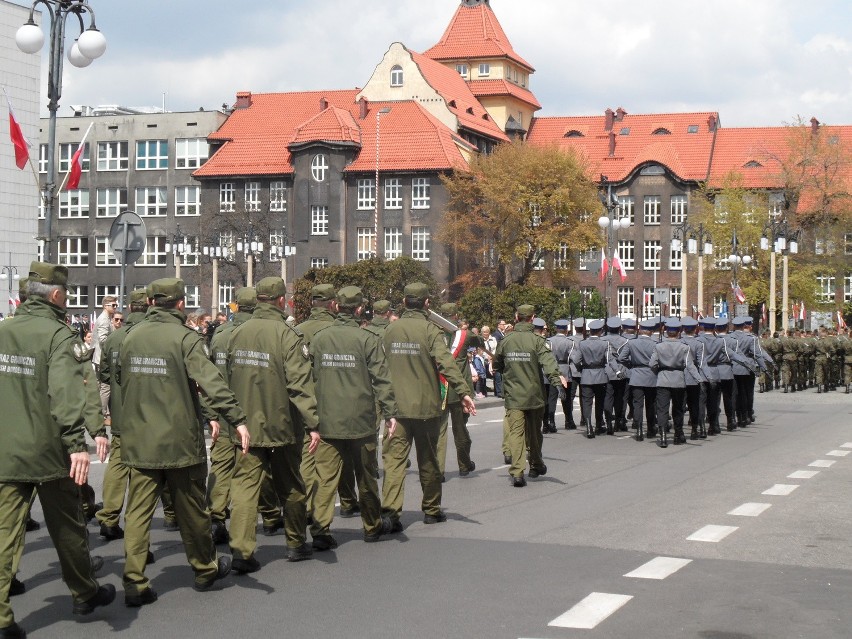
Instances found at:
x=525 y=310
x=350 y=297
x=45 y=273
x=380 y=307
x=22 y=286
x=449 y=308
x=139 y=296
x=321 y=292
x=271 y=288
x=167 y=289
x=416 y=291
x=246 y=297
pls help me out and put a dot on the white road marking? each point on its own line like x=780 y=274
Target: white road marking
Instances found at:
x=493 y=421
x=847 y=445
x=659 y=568
x=592 y=610
x=502 y=467
x=749 y=509
x=803 y=474
x=712 y=533
x=780 y=489
x=822 y=463
x=838 y=453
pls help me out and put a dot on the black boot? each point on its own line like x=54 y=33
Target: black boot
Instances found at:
x=693 y=434
x=590 y=433
x=639 y=436
x=731 y=425
x=569 y=423
x=609 y=430
x=702 y=430
x=662 y=438
x=679 y=437
x=760 y=388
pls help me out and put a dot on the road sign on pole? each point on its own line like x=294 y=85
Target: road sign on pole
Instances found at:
x=661 y=296
x=127 y=242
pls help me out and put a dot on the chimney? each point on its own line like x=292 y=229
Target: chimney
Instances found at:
x=243 y=100
x=611 y=144
x=814 y=126
x=363 y=107
x=712 y=123
x=323 y=104
x=609 y=117
x=619 y=114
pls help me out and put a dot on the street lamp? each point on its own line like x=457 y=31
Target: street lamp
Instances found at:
x=252 y=250
x=179 y=246
x=698 y=242
x=735 y=260
x=778 y=235
x=89 y=45
x=10 y=273
x=379 y=115
x=610 y=224
x=221 y=250
x=280 y=251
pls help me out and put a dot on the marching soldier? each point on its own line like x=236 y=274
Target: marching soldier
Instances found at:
x=579 y=335
x=560 y=346
x=591 y=358
x=617 y=375
x=550 y=392
x=673 y=362
x=642 y=382
x=790 y=349
x=695 y=397
x=724 y=364
x=713 y=354
x=744 y=371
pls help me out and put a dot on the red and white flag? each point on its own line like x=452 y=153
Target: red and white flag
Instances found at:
x=738 y=294
x=22 y=145
x=841 y=323
x=802 y=310
x=76 y=170
x=604 y=265
x=616 y=263
x=763 y=312
x=795 y=311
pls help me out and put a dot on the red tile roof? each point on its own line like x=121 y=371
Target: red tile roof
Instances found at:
x=685 y=154
x=482 y=88
x=459 y=97
x=474 y=32
x=332 y=125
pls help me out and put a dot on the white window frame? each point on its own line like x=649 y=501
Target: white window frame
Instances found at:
x=462 y=70
x=319 y=263
x=110 y=201
x=366 y=241
x=105 y=290
x=562 y=256
x=252 y=196
x=626 y=299
x=73 y=251
x=675 y=299
x=484 y=69
x=78 y=296
x=193 y=296
x=421 y=243
x=319 y=167
x=393 y=193
x=42 y=158
x=421 y=193
x=278 y=196
x=675 y=259
x=66 y=152
x=651 y=210
x=393 y=242
x=319 y=220
x=191 y=153
x=627 y=206
x=627 y=254
x=396 y=76
x=227 y=197
x=155 y=252
x=73 y=204
x=649 y=308
x=827 y=285
x=190 y=258
x=587 y=257
x=103 y=254
x=113 y=156
x=651 y=259
x=187 y=201
x=152 y=155
x=678 y=208
x=847 y=288
x=366 y=194
x=226 y=292
x=151 y=201
x=719 y=300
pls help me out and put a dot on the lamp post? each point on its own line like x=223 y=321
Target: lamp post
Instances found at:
x=179 y=246
x=281 y=251
x=610 y=224
x=379 y=115
x=778 y=237
x=252 y=249
x=90 y=44
x=215 y=252
x=735 y=260
x=698 y=241
x=10 y=273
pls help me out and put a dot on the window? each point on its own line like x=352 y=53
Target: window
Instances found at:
x=651 y=253
x=366 y=242
x=674 y=301
x=78 y=296
x=649 y=309
x=627 y=205
x=678 y=206
x=366 y=194
x=187 y=200
x=462 y=69
x=112 y=156
x=393 y=242
x=74 y=251
x=152 y=154
x=319 y=167
x=226 y=291
x=587 y=292
x=190 y=258
x=103 y=254
x=101 y=291
x=847 y=243
x=626 y=300
x=484 y=69
x=191 y=153
x=847 y=288
x=589 y=257
x=277 y=196
x=675 y=259
x=227 y=197
x=151 y=201
x=73 y=203
x=421 y=243
x=720 y=305
x=193 y=296
x=252 y=196
x=42 y=158
x=652 y=210
x=67 y=151
x=319 y=220
x=823 y=246
x=155 y=252
x=396 y=76
x=393 y=193
x=319 y=263
x=538 y=265
x=627 y=254
x=41 y=208
x=562 y=257
x=692 y=128
x=111 y=202
x=40 y=250
x=420 y=195
x=826 y=289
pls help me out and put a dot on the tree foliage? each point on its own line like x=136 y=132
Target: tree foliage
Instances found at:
x=517 y=206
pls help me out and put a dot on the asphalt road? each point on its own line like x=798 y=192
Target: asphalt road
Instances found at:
x=744 y=535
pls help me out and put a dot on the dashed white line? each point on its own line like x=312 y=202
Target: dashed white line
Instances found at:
x=712 y=533
x=659 y=568
x=838 y=453
x=592 y=610
x=822 y=463
x=847 y=445
x=493 y=421
x=502 y=467
x=749 y=509
x=780 y=489
x=803 y=474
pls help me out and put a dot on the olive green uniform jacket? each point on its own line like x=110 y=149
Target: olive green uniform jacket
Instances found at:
x=351 y=376
x=320 y=318
x=269 y=370
x=161 y=366
x=522 y=356
x=417 y=351
x=377 y=326
x=41 y=390
x=219 y=356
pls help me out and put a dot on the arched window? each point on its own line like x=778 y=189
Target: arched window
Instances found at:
x=319 y=166
x=396 y=76
x=752 y=164
x=661 y=131
x=574 y=133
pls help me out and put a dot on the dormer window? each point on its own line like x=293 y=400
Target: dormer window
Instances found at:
x=661 y=131
x=469 y=110
x=752 y=164
x=574 y=133
x=484 y=70
x=624 y=130
x=462 y=69
x=692 y=128
x=396 y=76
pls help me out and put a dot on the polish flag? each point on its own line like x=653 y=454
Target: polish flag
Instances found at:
x=802 y=310
x=76 y=168
x=763 y=312
x=795 y=311
x=22 y=146
x=604 y=265
x=617 y=264
x=739 y=295
x=841 y=323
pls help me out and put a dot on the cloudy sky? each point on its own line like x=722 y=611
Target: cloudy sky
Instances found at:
x=757 y=62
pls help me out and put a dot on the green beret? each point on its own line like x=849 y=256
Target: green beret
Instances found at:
x=52 y=274
x=322 y=292
x=246 y=297
x=449 y=309
x=525 y=310
x=416 y=291
x=139 y=296
x=380 y=307
x=22 y=286
x=350 y=296
x=167 y=289
x=271 y=287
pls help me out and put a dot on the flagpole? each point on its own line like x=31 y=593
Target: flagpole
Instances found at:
x=70 y=165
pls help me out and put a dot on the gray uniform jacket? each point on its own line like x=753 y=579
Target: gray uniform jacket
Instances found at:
x=713 y=346
x=744 y=346
x=617 y=363
x=696 y=347
x=639 y=352
x=591 y=357
x=560 y=346
x=575 y=343
x=672 y=359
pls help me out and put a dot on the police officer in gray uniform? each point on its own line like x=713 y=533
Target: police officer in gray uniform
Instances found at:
x=578 y=336
x=695 y=396
x=617 y=373
x=643 y=379
x=551 y=393
x=672 y=360
x=628 y=331
x=744 y=374
x=591 y=358
x=560 y=346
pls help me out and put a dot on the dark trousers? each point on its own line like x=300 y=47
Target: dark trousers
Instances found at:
x=646 y=395
x=670 y=397
x=568 y=402
x=693 y=403
x=551 y=395
x=498 y=384
x=614 y=400
x=728 y=392
x=714 y=396
x=592 y=393
x=744 y=384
